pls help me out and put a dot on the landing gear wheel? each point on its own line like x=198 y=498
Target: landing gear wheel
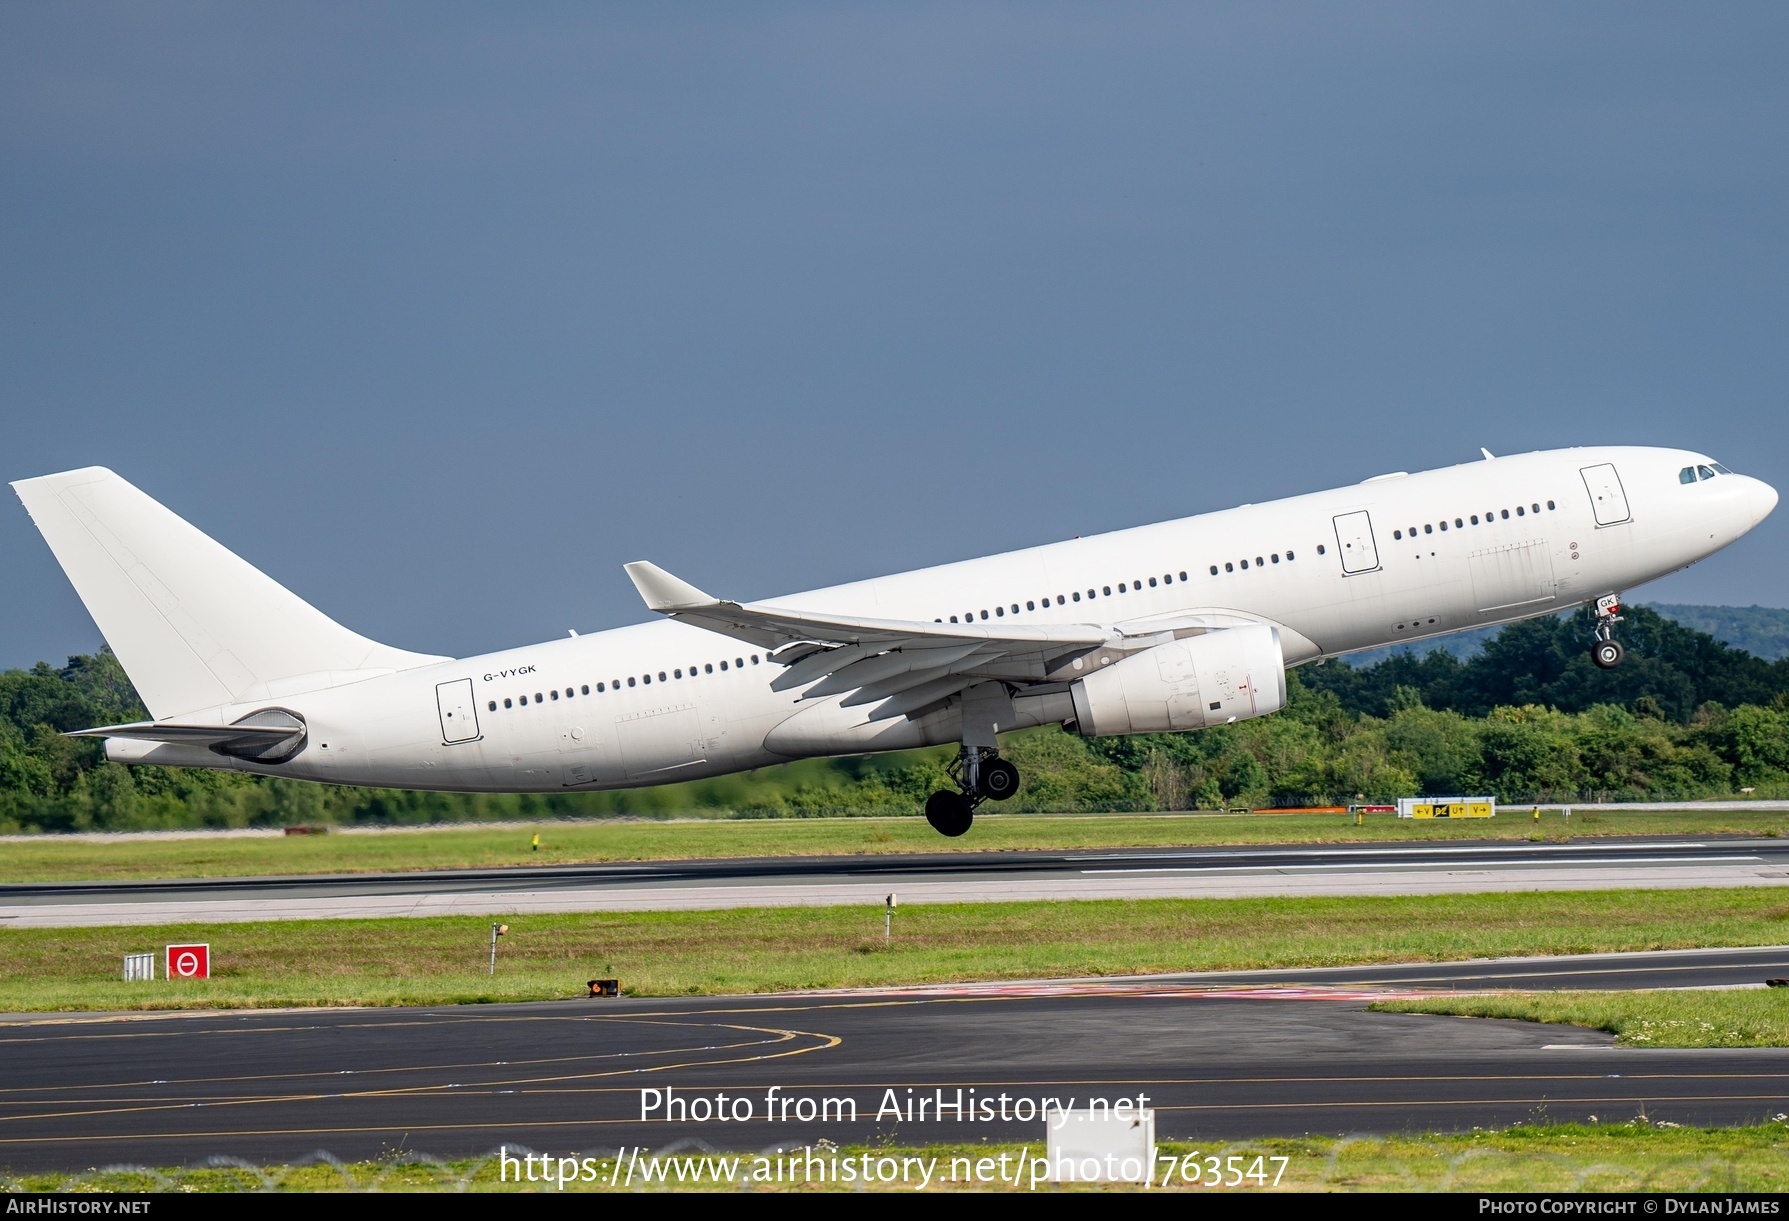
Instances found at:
x=1607 y=654
x=999 y=780
x=949 y=813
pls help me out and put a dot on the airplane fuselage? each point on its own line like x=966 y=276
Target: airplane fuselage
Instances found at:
x=1394 y=559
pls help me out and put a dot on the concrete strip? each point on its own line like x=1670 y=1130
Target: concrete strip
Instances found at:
x=1267 y=883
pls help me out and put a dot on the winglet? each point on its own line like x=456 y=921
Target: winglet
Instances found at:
x=663 y=592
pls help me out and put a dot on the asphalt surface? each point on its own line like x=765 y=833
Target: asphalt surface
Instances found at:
x=1372 y=868
x=1220 y=1057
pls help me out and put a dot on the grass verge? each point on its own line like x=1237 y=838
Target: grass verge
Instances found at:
x=59 y=859
x=1727 y=1017
x=444 y=959
x=1633 y=1156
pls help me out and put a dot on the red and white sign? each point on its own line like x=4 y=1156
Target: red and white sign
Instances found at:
x=189 y=962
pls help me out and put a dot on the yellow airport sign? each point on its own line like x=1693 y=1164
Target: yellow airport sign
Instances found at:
x=1447 y=807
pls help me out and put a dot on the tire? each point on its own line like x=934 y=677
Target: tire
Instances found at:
x=949 y=813
x=999 y=780
x=1607 y=654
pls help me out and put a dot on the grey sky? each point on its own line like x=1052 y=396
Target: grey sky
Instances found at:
x=440 y=313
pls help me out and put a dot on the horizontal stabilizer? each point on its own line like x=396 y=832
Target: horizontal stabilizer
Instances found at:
x=185 y=735
x=272 y=735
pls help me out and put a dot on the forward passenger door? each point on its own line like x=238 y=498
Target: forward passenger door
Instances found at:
x=1607 y=497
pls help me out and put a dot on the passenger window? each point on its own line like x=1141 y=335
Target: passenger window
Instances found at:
x=555 y=693
x=506 y=703
x=953 y=619
x=1245 y=565
x=600 y=688
x=1107 y=590
x=1091 y=595
x=522 y=700
x=1535 y=508
x=724 y=664
x=708 y=668
x=1475 y=519
x=1518 y=510
x=1321 y=550
x=1214 y=570
x=1029 y=605
x=754 y=659
x=1444 y=526
x=1551 y=506
x=998 y=610
x=678 y=673
x=1183 y=578
x=739 y=663
x=661 y=676
x=647 y=679
x=1152 y=582
x=1428 y=529
x=493 y=705
x=1015 y=608
x=537 y=696
x=1289 y=556
x=1396 y=534
x=1276 y=557
x=1506 y=515
x=1077 y=595
x=630 y=680
x=984 y=614
x=585 y=689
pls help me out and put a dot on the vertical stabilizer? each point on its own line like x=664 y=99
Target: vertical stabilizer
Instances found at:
x=194 y=625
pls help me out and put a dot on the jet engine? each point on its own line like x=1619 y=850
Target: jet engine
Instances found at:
x=1213 y=679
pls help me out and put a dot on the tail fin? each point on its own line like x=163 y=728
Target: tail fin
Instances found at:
x=194 y=625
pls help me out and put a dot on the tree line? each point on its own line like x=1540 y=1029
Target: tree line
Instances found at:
x=1527 y=717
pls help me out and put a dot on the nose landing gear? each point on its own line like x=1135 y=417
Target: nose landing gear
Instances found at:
x=1606 y=652
x=981 y=775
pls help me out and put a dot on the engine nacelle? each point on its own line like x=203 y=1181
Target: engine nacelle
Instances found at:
x=1223 y=676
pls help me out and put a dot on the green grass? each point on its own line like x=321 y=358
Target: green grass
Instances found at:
x=443 y=959
x=1633 y=1156
x=59 y=859
x=1726 y=1017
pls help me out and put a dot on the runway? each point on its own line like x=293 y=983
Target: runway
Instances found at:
x=1221 y=1058
x=1371 y=869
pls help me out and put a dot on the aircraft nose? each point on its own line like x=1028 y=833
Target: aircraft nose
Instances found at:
x=1764 y=500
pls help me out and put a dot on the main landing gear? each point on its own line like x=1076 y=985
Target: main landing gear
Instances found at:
x=1606 y=652
x=981 y=775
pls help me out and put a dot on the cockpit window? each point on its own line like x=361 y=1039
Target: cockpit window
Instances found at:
x=1721 y=469
x=1705 y=472
x=1687 y=475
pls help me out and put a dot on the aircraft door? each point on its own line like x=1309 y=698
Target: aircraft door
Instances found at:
x=459 y=716
x=1607 y=498
x=1354 y=542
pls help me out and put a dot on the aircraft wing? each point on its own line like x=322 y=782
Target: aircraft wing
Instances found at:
x=900 y=665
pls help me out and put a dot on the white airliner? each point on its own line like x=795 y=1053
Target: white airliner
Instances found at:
x=1169 y=627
